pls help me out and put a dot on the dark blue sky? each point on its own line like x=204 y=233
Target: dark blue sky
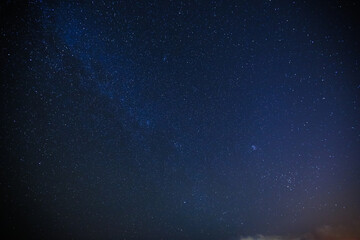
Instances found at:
x=179 y=119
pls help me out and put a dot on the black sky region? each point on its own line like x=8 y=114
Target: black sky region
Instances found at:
x=178 y=119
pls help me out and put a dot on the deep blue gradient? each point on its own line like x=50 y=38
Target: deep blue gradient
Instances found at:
x=179 y=119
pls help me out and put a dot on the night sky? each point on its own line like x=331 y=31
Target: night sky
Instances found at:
x=204 y=120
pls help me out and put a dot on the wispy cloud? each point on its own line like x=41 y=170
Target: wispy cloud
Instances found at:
x=262 y=237
x=340 y=232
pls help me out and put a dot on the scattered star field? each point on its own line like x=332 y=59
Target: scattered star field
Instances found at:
x=216 y=120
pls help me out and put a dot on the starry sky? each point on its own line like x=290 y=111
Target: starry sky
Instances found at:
x=210 y=119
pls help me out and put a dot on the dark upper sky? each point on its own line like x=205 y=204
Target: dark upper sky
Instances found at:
x=179 y=119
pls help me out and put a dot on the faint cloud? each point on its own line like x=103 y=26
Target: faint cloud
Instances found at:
x=337 y=233
x=262 y=237
x=340 y=232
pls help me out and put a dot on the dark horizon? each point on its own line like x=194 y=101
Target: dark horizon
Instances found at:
x=224 y=120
